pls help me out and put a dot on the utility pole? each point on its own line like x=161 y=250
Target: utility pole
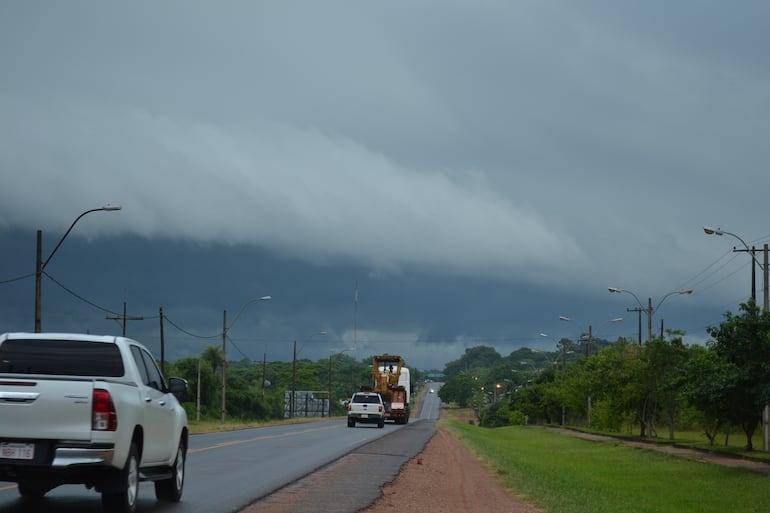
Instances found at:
x=649 y=319
x=224 y=365
x=39 y=282
x=765 y=279
x=125 y=318
x=264 y=373
x=293 y=381
x=163 y=346
x=329 y=414
x=753 y=270
x=588 y=355
x=198 y=393
x=766 y=411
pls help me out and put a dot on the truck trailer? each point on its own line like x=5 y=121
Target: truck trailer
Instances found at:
x=391 y=380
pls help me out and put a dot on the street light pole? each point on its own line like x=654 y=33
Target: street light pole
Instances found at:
x=224 y=351
x=40 y=265
x=649 y=310
x=754 y=262
x=588 y=355
x=590 y=331
x=563 y=368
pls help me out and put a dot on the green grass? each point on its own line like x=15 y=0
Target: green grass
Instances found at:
x=736 y=445
x=564 y=474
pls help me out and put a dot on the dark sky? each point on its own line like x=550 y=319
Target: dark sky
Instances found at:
x=477 y=169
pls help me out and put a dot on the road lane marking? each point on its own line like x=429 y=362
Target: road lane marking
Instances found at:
x=259 y=438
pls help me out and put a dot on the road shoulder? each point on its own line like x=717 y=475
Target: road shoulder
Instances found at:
x=354 y=481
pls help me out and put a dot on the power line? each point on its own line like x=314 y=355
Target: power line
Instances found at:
x=179 y=328
x=18 y=278
x=81 y=298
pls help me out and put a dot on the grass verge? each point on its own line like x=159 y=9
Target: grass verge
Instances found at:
x=563 y=474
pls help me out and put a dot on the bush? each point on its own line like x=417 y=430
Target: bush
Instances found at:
x=517 y=418
x=496 y=415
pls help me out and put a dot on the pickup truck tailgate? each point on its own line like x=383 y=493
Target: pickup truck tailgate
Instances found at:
x=45 y=408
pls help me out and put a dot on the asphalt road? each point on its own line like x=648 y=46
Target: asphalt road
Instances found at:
x=354 y=481
x=225 y=471
x=228 y=471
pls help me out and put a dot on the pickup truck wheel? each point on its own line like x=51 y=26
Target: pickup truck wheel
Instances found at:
x=171 y=489
x=30 y=490
x=351 y=423
x=381 y=423
x=125 y=501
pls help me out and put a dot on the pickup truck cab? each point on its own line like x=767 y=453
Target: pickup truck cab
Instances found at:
x=92 y=410
x=366 y=407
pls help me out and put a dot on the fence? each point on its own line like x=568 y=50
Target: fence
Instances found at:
x=306 y=404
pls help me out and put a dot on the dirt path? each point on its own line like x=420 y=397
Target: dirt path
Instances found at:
x=447 y=478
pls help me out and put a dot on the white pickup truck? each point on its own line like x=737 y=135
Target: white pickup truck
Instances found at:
x=366 y=407
x=92 y=410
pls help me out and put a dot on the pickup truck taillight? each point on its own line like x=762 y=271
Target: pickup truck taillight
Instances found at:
x=380 y=407
x=103 y=417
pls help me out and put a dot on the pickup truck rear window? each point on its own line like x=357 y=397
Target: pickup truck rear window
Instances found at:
x=60 y=358
x=369 y=399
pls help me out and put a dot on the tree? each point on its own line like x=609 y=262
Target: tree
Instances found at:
x=744 y=341
x=615 y=387
x=661 y=365
x=479 y=357
x=707 y=380
x=213 y=356
x=458 y=389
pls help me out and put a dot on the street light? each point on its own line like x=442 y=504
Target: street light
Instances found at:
x=41 y=264
x=588 y=354
x=649 y=310
x=755 y=262
x=590 y=330
x=562 y=347
x=224 y=349
x=563 y=368
x=294 y=373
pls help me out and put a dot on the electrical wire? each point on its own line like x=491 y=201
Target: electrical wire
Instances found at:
x=18 y=278
x=79 y=297
x=179 y=328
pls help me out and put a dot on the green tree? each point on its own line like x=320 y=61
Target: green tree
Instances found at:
x=615 y=393
x=744 y=341
x=213 y=356
x=479 y=357
x=707 y=382
x=459 y=390
x=661 y=363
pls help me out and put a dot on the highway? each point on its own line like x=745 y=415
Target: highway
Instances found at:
x=229 y=470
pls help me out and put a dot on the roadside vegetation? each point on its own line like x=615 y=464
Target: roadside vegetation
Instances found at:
x=569 y=475
x=661 y=390
x=256 y=391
